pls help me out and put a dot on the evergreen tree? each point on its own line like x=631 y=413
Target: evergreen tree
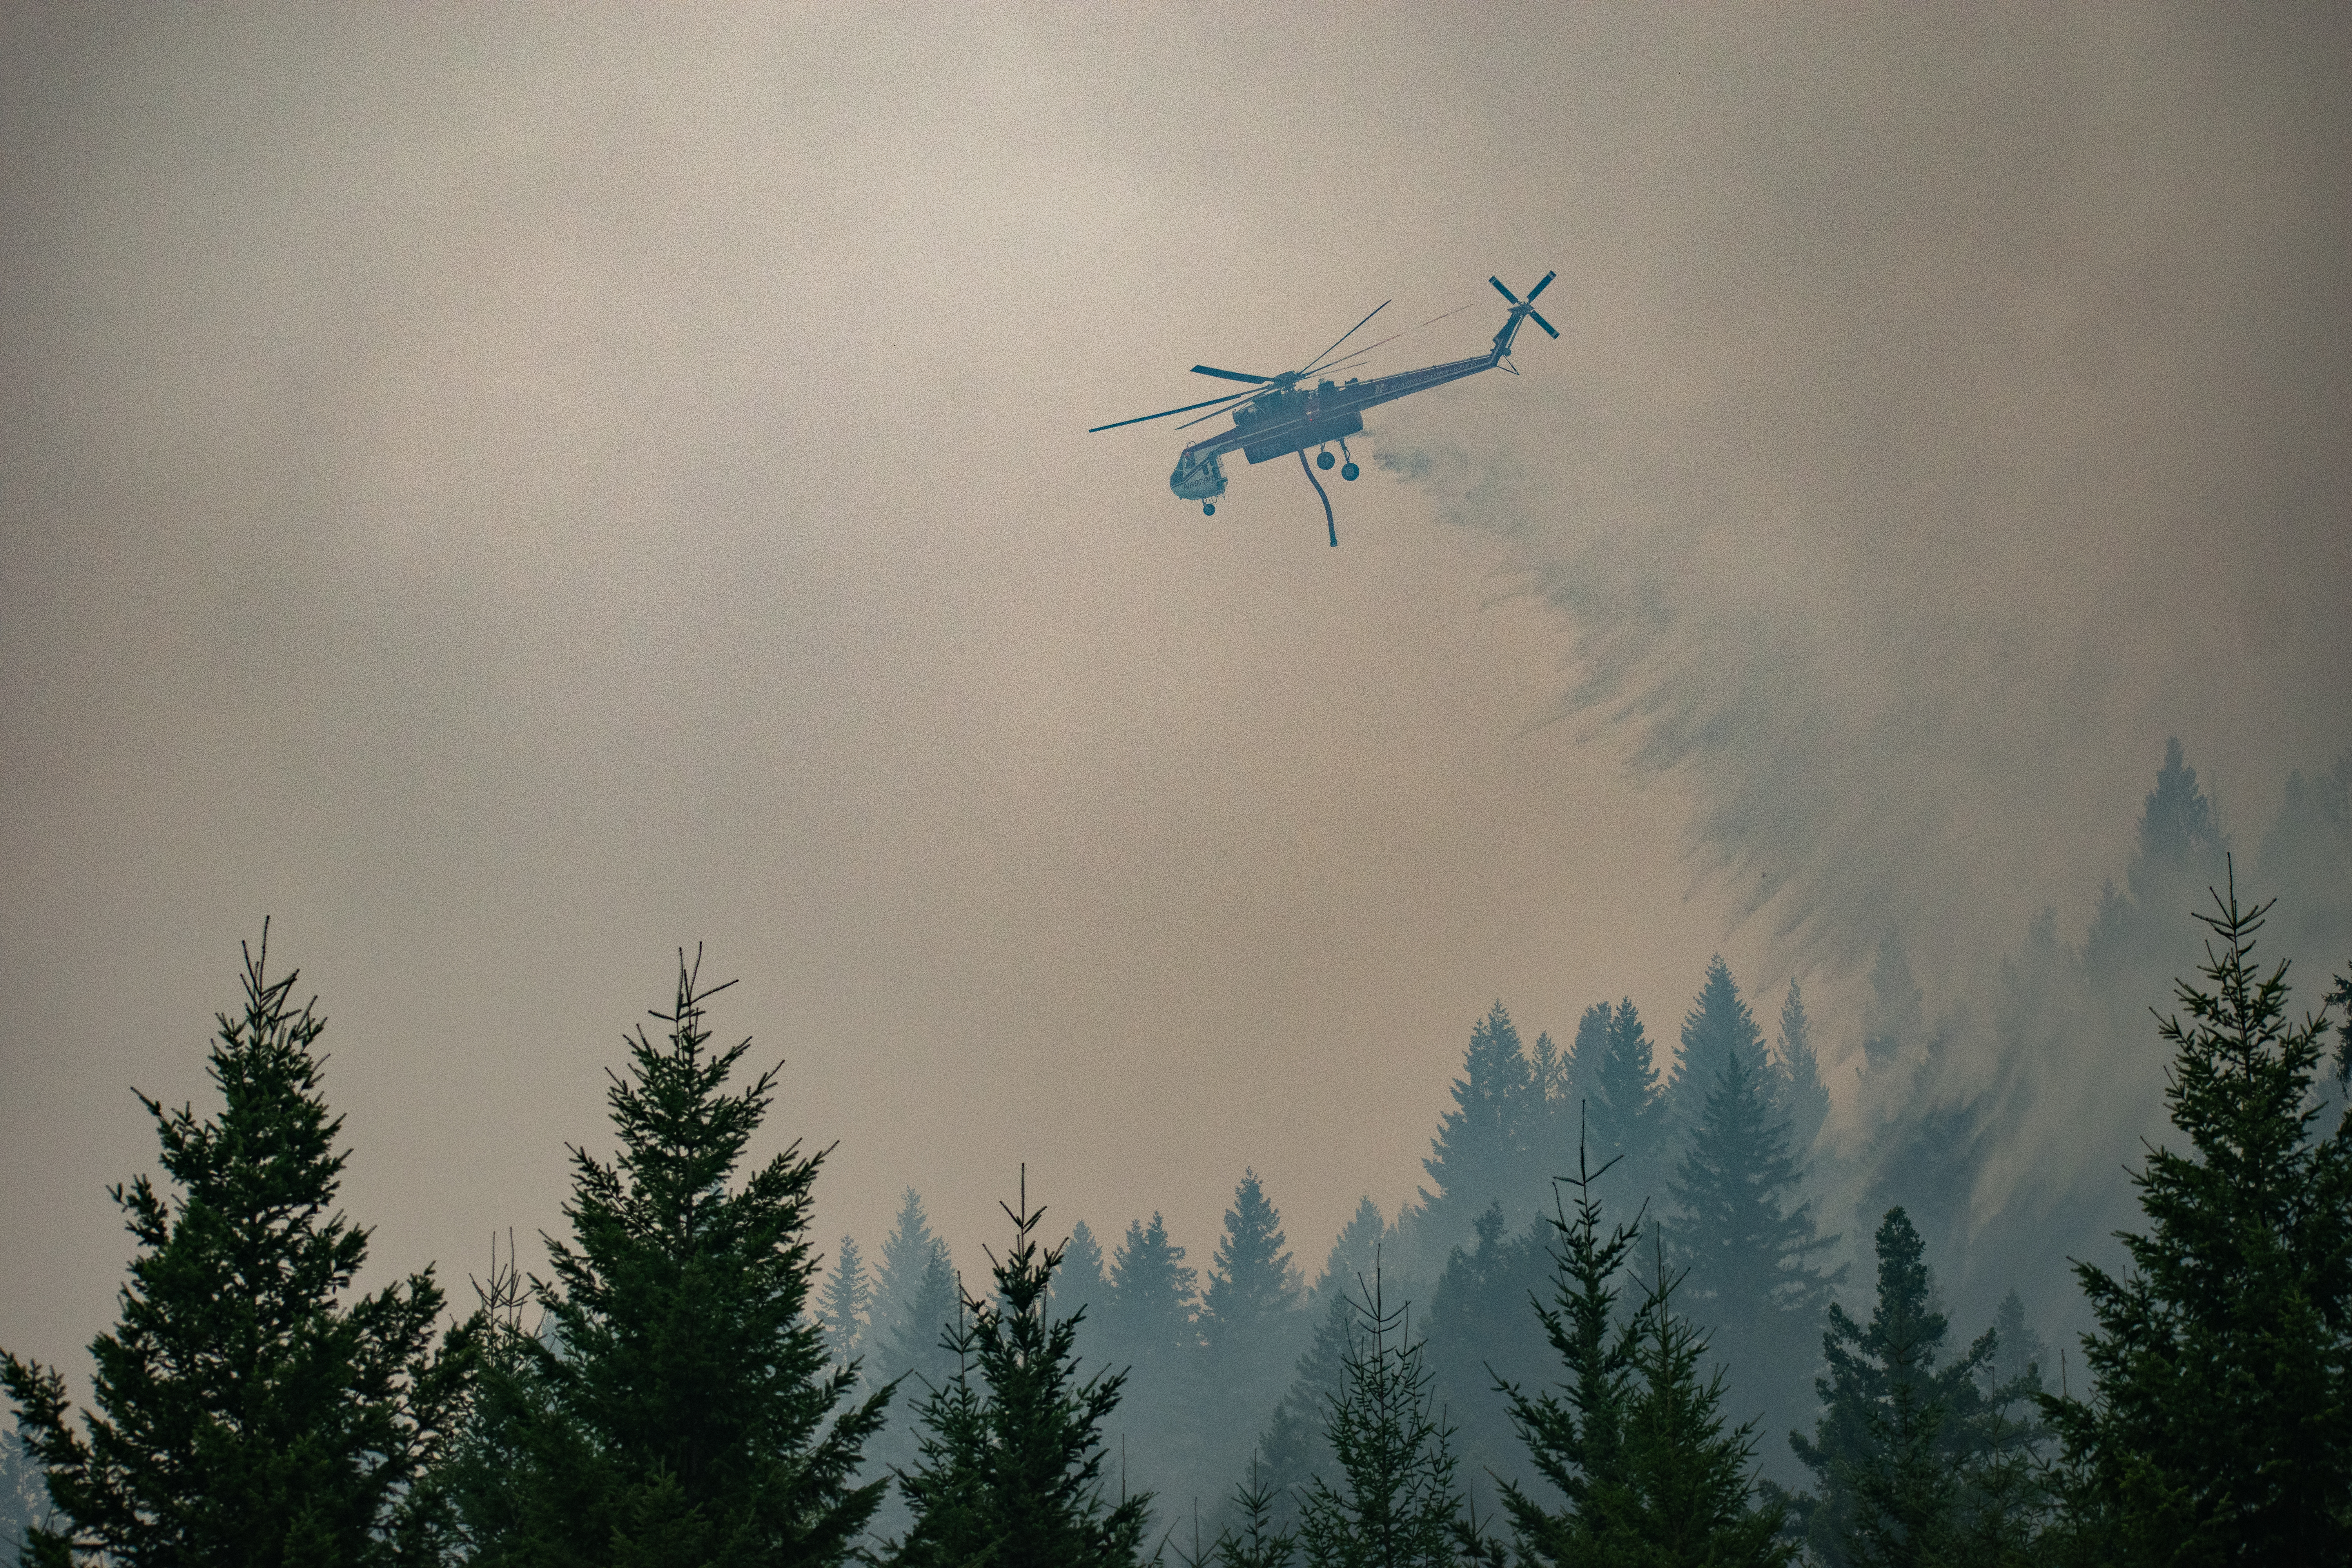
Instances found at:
x=1248 y=1327
x=2019 y=1357
x=1744 y=1237
x=1151 y=1334
x=841 y=1309
x=914 y=1299
x=1901 y=1449
x=1258 y=1537
x=2220 y=1422
x=1480 y=1153
x=1012 y=1458
x=1807 y=1103
x=1580 y=1083
x=1634 y=1441
x=682 y=1407
x=1395 y=1503
x=1627 y=1116
x=24 y=1496
x=1894 y=1017
x=248 y=1412
x=1718 y=1028
x=1294 y=1448
x=1482 y=1332
x=2180 y=851
x=1080 y=1282
x=1576 y=1437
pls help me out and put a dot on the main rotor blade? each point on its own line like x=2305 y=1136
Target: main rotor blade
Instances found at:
x=1212 y=413
x=1539 y=322
x=1541 y=287
x=1230 y=375
x=1506 y=293
x=1164 y=413
x=1350 y=333
x=1392 y=337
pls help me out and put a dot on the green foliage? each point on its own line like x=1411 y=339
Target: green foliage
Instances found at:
x=1719 y=1029
x=1396 y=1503
x=1481 y=1150
x=842 y=1305
x=915 y=1298
x=1806 y=1098
x=1012 y=1456
x=1249 y=1326
x=1626 y=1118
x=681 y=1407
x=1744 y=1237
x=247 y=1414
x=1633 y=1440
x=2218 y=1427
x=1913 y=1463
x=1482 y=1332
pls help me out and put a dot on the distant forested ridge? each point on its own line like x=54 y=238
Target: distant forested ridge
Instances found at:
x=2055 y=1282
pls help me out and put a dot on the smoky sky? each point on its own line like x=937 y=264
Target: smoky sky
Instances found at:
x=506 y=493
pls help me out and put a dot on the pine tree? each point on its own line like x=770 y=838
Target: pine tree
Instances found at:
x=1895 y=1016
x=2180 y=851
x=1395 y=1503
x=1258 y=1537
x=1012 y=1456
x=1627 y=1115
x=1249 y=1326
x=1894 y=1448
x=2220 y=1422
x=1745 y=1237
x=1717 y=1027
x=914 y=1299
x=1152 y=1325
x=1634 y=1441
x=1294 y=1448
x=1807 y=1103
x=1481 y=1329
x=1481 y=1150
x=1081 y=1281
x=1576 y=1437
x=682 y=1407
x=247 y=1411
x=841 y=1309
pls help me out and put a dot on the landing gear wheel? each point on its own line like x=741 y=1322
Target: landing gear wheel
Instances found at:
x=1350 y=472
x=1208 y=508
x=1324 y=459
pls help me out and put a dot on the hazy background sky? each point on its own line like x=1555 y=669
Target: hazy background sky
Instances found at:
x=506 y=492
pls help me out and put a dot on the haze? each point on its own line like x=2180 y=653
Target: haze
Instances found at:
x=505 y=494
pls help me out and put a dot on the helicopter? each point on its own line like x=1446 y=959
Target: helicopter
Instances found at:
x=1281 y=413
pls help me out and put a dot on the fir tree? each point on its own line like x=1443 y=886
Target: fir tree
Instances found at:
x=1481 y=1332
x=1151 y=1326
x=1718 y=1028
x=1807 y=1102
x=1626 y=1119
x=1395 y=1502
x=1895 y=1451
x=841 y=1309
x=247 y=1411
x=1012 y=1460
x=2220 y=1422
x=1480 y=1153
x=1248 y=1324
x=1744 y=1237
x=1258 y=1537
x=2019 y=1357
x=2178 y=852
x=1634 y=1441
x=1576 y=1437
x=1081 y=1281
x=1894 y=1017
x=683 y=1407
x=914 y=1299
x=1294 y=1448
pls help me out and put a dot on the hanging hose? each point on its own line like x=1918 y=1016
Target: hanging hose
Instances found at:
x=1311 y=480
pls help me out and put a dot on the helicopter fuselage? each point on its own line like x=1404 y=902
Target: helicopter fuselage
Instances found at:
x=1287 y=419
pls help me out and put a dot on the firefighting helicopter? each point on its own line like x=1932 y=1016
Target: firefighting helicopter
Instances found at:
x=1281 y=413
